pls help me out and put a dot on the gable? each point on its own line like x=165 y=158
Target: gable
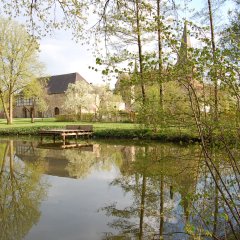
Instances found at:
x=59 y=83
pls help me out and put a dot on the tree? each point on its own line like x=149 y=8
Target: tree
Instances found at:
x=78 y=98
x=230 y=42
x=40 y=16
x=36 y=91
x=124 y=27
x=108 y=103
x=19 y=63
x=213 y=44
x=230 y=39
x=162 y=9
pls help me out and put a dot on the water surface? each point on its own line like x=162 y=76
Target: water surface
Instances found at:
x=107 y=190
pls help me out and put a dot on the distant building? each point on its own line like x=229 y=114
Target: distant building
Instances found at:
x=55 y=91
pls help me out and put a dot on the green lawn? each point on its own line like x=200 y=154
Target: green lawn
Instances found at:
x=50 y=122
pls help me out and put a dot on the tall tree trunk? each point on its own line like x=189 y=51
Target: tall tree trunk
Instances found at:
x=214 y=79
x=5 y=109
x=140 y=57
x=159 y=54
x=32 y=114
x=10 y=105
x=80 y=113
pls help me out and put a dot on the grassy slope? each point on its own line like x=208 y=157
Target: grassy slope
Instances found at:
x=22 y=126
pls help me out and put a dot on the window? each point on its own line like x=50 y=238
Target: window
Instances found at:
x=24 y=150
x=24 y=102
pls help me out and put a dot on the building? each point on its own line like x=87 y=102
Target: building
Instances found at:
x=55 y=97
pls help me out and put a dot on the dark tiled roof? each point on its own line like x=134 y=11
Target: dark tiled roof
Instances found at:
x=59 y=83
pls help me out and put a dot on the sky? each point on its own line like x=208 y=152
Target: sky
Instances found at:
x=62 y=55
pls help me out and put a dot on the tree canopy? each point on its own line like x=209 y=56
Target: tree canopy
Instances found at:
x=19 y=63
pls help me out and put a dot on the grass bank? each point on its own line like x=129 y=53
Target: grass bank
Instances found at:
x=101 y=130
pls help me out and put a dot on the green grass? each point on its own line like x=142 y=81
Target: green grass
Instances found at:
x=50 y=122
x=23 y=126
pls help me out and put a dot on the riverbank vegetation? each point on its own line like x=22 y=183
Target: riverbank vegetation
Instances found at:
x=101 y=130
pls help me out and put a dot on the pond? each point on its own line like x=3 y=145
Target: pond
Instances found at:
x=111 y=190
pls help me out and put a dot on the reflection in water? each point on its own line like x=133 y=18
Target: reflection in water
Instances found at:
x=157 y=191
x=73 y=163
x=174 y=196
x=21 y=191
x=160 y=180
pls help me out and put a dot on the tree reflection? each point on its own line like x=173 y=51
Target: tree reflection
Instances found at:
x=173 y=196
x=21 y=191
x=81 y=163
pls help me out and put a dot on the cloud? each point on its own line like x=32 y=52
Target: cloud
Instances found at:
x=62 y=55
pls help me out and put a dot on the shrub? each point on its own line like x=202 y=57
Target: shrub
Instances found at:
x=67 y=118
x=88 y=117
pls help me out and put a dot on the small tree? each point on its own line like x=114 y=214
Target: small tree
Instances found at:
x=36 y=91
x=19 y=63
x=78 y=97
x=106 y=103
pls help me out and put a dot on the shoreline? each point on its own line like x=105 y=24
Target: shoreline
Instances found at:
x=111 y=133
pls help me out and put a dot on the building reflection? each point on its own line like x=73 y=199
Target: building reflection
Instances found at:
x=53 y=156
x=73 y=161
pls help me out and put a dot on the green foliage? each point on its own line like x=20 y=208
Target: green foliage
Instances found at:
x=150 y=115
x=36 y=90
x=67 y=118
x=88 y=117
x=78 y=98
x=230 y=36
x=23 y=130
x=165 y=136
x=19 y=64
x=102 y=130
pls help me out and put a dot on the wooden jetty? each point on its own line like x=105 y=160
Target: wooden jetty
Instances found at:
x=70 y=130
